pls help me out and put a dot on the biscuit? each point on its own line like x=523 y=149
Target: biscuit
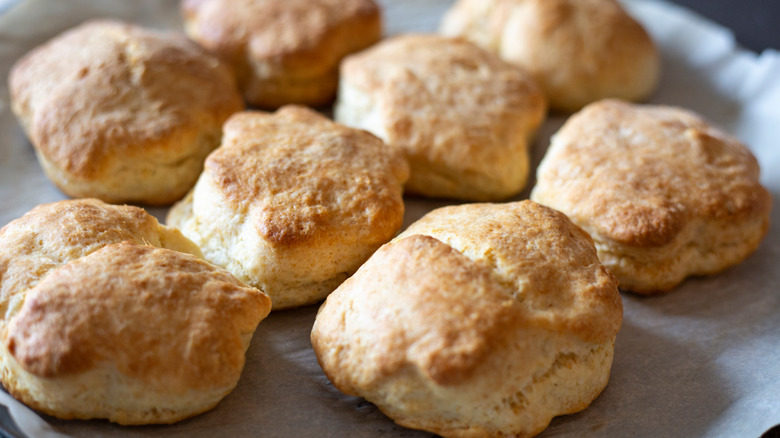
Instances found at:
x=121 y=113
x=463 y=116
x=478 y=320
x=664 y=194
x=292 y=203
x=284 y=51
x=579 y=51
x=104 y=317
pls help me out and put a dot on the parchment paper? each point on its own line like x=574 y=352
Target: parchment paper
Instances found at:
x=703 y=360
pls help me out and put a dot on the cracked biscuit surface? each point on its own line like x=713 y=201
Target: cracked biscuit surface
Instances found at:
x=463 y=117
x=292 y=203
x=664 y=194
x=122 y=113
x=108 y=314
x=478 y=320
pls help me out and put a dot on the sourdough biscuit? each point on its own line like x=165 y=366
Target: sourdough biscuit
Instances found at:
x=284 y=51
x=664 y=194
x=103 y=317
x=579 y=51
x=293 y=203
x=463 y=117
x=121 y=113
x=478 y=320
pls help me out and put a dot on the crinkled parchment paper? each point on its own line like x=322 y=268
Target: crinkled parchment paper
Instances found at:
x=703 y=360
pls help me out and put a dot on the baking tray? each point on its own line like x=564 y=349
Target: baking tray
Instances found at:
x=703 y=360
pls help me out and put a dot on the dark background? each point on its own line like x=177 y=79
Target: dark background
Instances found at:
x=756 y=23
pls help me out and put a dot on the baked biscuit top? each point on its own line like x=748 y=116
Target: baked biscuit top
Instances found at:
x=539 y=258
x=448 y=95
x=579 y=51
x=52 y=235
x=101 y=307
x=107 y=89
x=497 y=269
x=300 y=176
x=292 y=32
x=640 y=174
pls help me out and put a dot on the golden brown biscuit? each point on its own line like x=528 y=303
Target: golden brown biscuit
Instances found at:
x=478 y=320
x=463 y=116
x=105 y=318
x=284 y=51
x=293 y=203
x=122 y=113
x=663 y=194
x=579 y=51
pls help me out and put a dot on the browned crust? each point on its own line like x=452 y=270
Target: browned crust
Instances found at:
x=159 y=316
x=281 y=49
x=638 y=175
x=51 y=235
x=479 y=320
x=579 y=51
x=107 y=94
x=458 y=111
x=539 y=251
x=302 y=177
x=102 y=296
x=449 y=345
x=496 y=269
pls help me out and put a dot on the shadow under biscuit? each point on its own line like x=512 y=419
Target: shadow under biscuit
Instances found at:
x=658 y=387
x=283 y=373
x=277 y=390
x=364 y=416
x=739 y=298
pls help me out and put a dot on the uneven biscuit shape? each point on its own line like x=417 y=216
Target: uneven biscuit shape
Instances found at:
x=284 y=51
x=664 y=194
x=293 y=203
x=102 y=320
x=579 y=51
x=51 y=235
x=478 y=320
x=463 y=116
x=122 y=113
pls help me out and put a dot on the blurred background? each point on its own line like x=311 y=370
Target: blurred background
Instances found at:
x=756 y=23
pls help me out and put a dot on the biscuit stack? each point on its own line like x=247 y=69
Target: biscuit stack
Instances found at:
x=477 y=320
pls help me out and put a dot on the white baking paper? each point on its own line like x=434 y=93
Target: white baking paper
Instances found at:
x=703 y=360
